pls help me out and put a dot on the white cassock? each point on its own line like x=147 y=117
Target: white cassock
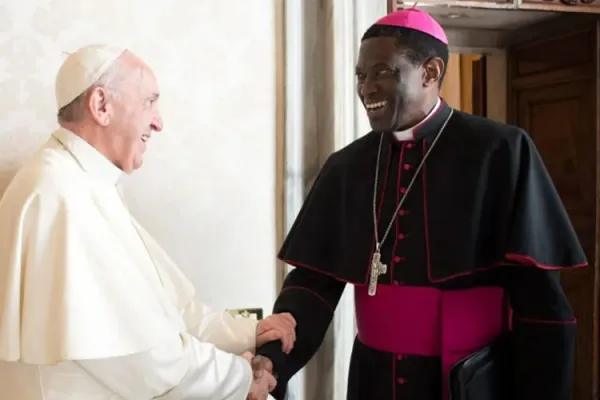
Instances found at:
x=91 y=308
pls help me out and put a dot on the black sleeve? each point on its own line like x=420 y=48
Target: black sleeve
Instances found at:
x=544 y=331
x=311 y=297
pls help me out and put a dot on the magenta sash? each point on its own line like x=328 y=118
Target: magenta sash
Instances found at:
x=424 y=321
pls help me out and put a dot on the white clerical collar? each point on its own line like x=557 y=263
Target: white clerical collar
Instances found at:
x=90 y=159
x=408 y=134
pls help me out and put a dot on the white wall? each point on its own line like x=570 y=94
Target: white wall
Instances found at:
x=207 y=188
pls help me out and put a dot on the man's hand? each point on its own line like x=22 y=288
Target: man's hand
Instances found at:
x=263 y=381
x=259 y=364
x=261 y=388
x=277 y=327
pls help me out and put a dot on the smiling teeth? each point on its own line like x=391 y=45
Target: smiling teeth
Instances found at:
x=379 y=104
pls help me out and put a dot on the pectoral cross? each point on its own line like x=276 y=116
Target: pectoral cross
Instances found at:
x=377 y=268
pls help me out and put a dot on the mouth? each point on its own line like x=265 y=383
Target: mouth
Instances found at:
x=145 y=139
x=376 y=108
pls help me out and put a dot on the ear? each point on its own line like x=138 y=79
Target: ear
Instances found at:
x=432 y=71
x=99 y=106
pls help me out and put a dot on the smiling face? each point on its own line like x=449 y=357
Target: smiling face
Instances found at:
x=136 y=117
x=128 y=113
x=396 y=93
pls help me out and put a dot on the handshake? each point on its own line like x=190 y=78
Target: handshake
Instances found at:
x=264 y=381
x=275 y=327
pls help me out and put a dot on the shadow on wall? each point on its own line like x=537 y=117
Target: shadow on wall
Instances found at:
x=19 y=141
x=6 y=175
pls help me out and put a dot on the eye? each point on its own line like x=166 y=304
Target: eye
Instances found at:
x=361 y=77
x=385 y=72
x=152 y=99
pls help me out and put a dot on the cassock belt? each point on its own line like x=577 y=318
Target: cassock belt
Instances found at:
x=424 y=321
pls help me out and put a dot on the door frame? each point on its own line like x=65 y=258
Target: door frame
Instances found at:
x=540 y=32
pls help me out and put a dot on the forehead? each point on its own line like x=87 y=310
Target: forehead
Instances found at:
x=149 y=81
x=142 y=84
x=379 y=50
x=138 y=74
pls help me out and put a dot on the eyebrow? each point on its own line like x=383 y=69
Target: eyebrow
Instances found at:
x=376 y=65
x=154 y=96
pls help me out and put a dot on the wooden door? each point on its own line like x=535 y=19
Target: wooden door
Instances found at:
x=583 y=6
x=393 y=5
x=552 y=94
x=479 y=95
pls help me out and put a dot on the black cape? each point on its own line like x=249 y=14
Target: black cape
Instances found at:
x=487 y=199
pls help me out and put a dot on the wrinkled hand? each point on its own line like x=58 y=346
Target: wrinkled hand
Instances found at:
x=263 y=381
x=277 y=327
x=259 y=364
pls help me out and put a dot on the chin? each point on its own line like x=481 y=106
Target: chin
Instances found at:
x=131 y=166
x=137 y=164
x=128 y=170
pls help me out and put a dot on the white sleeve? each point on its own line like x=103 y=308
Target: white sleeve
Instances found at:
x=233 y=335
x=182 y=369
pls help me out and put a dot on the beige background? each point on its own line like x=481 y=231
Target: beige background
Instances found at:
x=207 y=189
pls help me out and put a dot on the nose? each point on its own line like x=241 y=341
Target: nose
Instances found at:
x=367 y=87
x=157 y=123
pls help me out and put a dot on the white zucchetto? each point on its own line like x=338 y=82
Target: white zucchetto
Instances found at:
x=82 y=69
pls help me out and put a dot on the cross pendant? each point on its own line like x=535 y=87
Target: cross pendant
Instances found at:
x=377 y=268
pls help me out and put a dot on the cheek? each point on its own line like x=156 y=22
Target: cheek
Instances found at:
x=135 y=123
x=403 y=95
x=409 y=90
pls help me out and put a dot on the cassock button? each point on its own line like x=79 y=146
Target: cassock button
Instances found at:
x=400 y=357
x=409 y=145
x=402 y=190
x=402 y=212
x=397 y=259
x=401 y=381
x=407 y=166
x=401 y=236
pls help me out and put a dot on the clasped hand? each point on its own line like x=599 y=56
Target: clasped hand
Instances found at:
x=263 y=381
x=277 y=327
x=274 y=327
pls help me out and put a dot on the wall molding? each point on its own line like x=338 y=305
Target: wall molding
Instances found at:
x=321 y=114
x=280 y=143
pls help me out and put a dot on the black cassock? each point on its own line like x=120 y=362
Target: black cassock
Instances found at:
x=481 y=228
